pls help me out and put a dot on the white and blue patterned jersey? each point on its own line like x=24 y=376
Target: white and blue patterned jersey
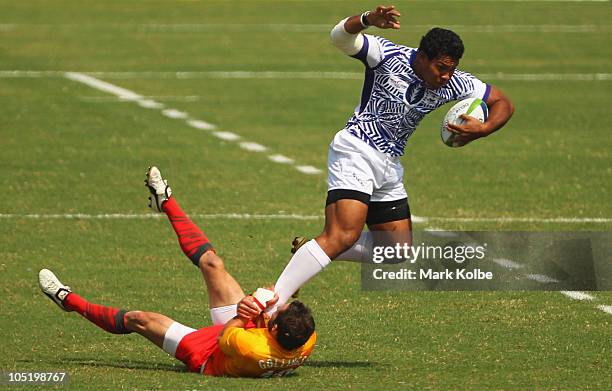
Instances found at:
x=394 y=100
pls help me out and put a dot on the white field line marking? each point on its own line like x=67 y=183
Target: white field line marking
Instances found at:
x=199 y=124
x=100 y=85
x=507 y=263
x=308 y=28
x=175 y=114
x=556 y=220
x=345 y=75
x=415 y=219
x=544 y=279
x=577 y=295
x=32 y=74
x=325 y=28
x=541 y=278
x=296 y=75
x=511 y=265
x=137 y=216
x=441 y=232
x=310 y=170
x=129 y=216
x=150 y=104
x=527 y=28
x=168 y=98
x=605 y=308
x=281 y=159
x=547 y=76
x=228 y=136
x=264 y=75
x=128 y=95
x=252 y=147
x=234 y=27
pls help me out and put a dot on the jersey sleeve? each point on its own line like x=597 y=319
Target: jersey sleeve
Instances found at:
x=464 y=86
x=375 y=50
x=237 y=341
x=369 y=49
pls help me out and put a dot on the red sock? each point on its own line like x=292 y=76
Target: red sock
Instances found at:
x=193 y=241
x=107 y=318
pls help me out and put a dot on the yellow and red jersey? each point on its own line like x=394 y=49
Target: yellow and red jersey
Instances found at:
x=254 y=352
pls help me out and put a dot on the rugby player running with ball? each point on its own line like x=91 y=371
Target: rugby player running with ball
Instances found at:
x=402 y=84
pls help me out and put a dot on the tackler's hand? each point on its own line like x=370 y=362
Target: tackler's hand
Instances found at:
x=247 y=308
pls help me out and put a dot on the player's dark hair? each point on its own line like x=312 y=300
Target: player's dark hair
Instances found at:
x=441 y=42
x=294 y=325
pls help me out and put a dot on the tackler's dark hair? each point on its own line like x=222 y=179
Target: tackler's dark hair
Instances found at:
x=294 y=325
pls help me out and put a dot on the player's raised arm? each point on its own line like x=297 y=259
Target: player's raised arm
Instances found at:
x=384 y=17
x=345 y=35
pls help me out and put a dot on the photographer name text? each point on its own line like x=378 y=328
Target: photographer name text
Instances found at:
x=430 y=274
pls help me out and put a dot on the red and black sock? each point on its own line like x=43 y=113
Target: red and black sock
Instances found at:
x=193 y=241
x=107 y=318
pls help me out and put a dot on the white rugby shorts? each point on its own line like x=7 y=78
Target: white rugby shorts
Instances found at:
x=354 y=165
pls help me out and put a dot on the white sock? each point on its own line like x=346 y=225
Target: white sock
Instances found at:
x=222 y=315
x=361 y=250
x=307 y=262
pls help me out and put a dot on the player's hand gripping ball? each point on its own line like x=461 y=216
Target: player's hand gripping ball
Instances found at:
x=474 y=107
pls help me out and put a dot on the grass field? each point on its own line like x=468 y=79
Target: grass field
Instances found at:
x=69 y=149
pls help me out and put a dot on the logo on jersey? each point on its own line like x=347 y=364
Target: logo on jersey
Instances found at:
x=399 y=82
x=414 y=93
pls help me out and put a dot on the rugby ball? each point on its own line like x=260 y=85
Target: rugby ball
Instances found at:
x=474 y=107
x=262 y=296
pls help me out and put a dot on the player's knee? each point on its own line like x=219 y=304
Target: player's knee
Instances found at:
x=347 y=238
x=341 y=240
x=135 y=320
x=211 y=261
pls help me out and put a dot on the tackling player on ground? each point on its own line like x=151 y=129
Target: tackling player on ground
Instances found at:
x=244 y=341
x=402 y=85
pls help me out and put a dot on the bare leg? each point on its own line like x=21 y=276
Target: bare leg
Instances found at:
x=392 y=233
x=222 y=288
x=399 y=231
x=399 y=225
x=344 y=221
x=150 y=325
